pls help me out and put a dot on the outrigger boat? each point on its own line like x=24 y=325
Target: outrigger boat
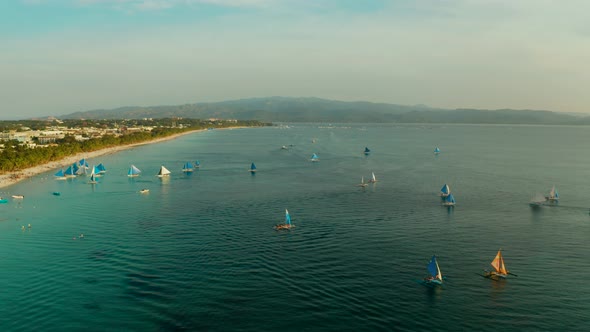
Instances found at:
x=553 y=195
x=373 y=179
x=435 y=277
x=287 y=224
x=363 y=183
x=449 y=201
x=500 y=270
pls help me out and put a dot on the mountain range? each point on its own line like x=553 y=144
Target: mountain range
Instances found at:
x=290 y=109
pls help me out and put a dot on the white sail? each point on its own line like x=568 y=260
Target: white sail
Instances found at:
x=163 y=171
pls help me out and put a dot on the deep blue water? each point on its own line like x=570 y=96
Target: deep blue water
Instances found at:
x=199 y=252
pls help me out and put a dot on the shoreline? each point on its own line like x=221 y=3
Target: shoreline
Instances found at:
x=15 y=177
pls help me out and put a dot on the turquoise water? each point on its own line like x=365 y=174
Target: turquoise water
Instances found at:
x=199 y=253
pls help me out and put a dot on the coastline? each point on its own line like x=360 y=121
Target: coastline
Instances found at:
x=14 y=177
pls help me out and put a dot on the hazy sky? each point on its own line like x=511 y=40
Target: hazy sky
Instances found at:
x=62 y=56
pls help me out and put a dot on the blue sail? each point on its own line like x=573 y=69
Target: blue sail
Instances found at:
x=432 y=267
x=197 y=164
x=436 y=150
x=188 y=167
x=95 y=170
x=70 y=171
x=252 y=167
x=83 y=163
x=450 y=199
x=287 y=217
x=367 y=151
x=101 y=168
x=315 y=157
x=133 y=171
x=60 y=173
x=75 y=168
x=445 y=189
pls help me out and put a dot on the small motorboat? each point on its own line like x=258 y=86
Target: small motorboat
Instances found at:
x=56 y=193
x=18 y=196
x=144 y=191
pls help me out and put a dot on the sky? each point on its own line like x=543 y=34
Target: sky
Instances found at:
x=63 y=56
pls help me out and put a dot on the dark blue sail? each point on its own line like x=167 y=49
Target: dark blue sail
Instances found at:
x=367 y=150
x=432 y=267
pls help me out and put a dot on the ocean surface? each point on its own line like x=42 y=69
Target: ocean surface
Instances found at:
x=199 y=253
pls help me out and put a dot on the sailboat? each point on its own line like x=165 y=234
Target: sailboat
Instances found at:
x=60 y=175
x=163 y=172
x=373 y=179
x=92 y=177
x=188 y=167
x=445 y=190
x=315 y=158
x=553 y=195
x=70 y=172
x=133 y=171
x=252 y=168
x=363 y=183
x=287 y=224
x=499 y=267
x=449 y=200
x=436 y=150
x=197 y=164
x=96 y=171
x=367 y=151
x=435 y=277
x=101 y=169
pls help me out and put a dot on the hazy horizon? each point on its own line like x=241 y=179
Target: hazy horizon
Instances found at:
x=64 y=56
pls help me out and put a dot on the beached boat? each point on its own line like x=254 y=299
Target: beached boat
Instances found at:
x=436 y=150
x=445 y=190
x=18 y=196
x=449 y=201
x=435 y=277
x=71 y=171
x=553 y=195
x=373 y=179
x=60 y=175
x=188 y=167
x=363 y=183
x=367 y=151
x=144 y=191
x=287 y=224
x=133 y=171
x=163 y=172
x=252 y=168
x=500 y=270
x=315 y=158
x=101 y=169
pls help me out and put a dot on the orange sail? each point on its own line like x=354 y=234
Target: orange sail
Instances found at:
x=498 y=263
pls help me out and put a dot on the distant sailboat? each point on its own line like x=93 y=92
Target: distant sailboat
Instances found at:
x=101 y=169
x=60 y=175
x=197 y=164
x=163 y=172
x=287 y=224
x=553 y=195
x=133 y=171
x=500 y=270
x=449 y=200
x=188 y=167
x=373 y=179
x=367 y=151
x=315 y=158
x=92 y=177
x=252 y=168
x=363 y=183
x=436 y=150
x=445 y=190
x=435 y=277
x=70 y=171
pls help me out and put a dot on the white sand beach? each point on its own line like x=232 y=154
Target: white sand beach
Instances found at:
x=14 y=177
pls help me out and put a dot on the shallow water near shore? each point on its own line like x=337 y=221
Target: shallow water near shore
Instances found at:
x=199 y=253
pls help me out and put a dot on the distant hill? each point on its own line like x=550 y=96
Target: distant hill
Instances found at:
x=285 y=109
